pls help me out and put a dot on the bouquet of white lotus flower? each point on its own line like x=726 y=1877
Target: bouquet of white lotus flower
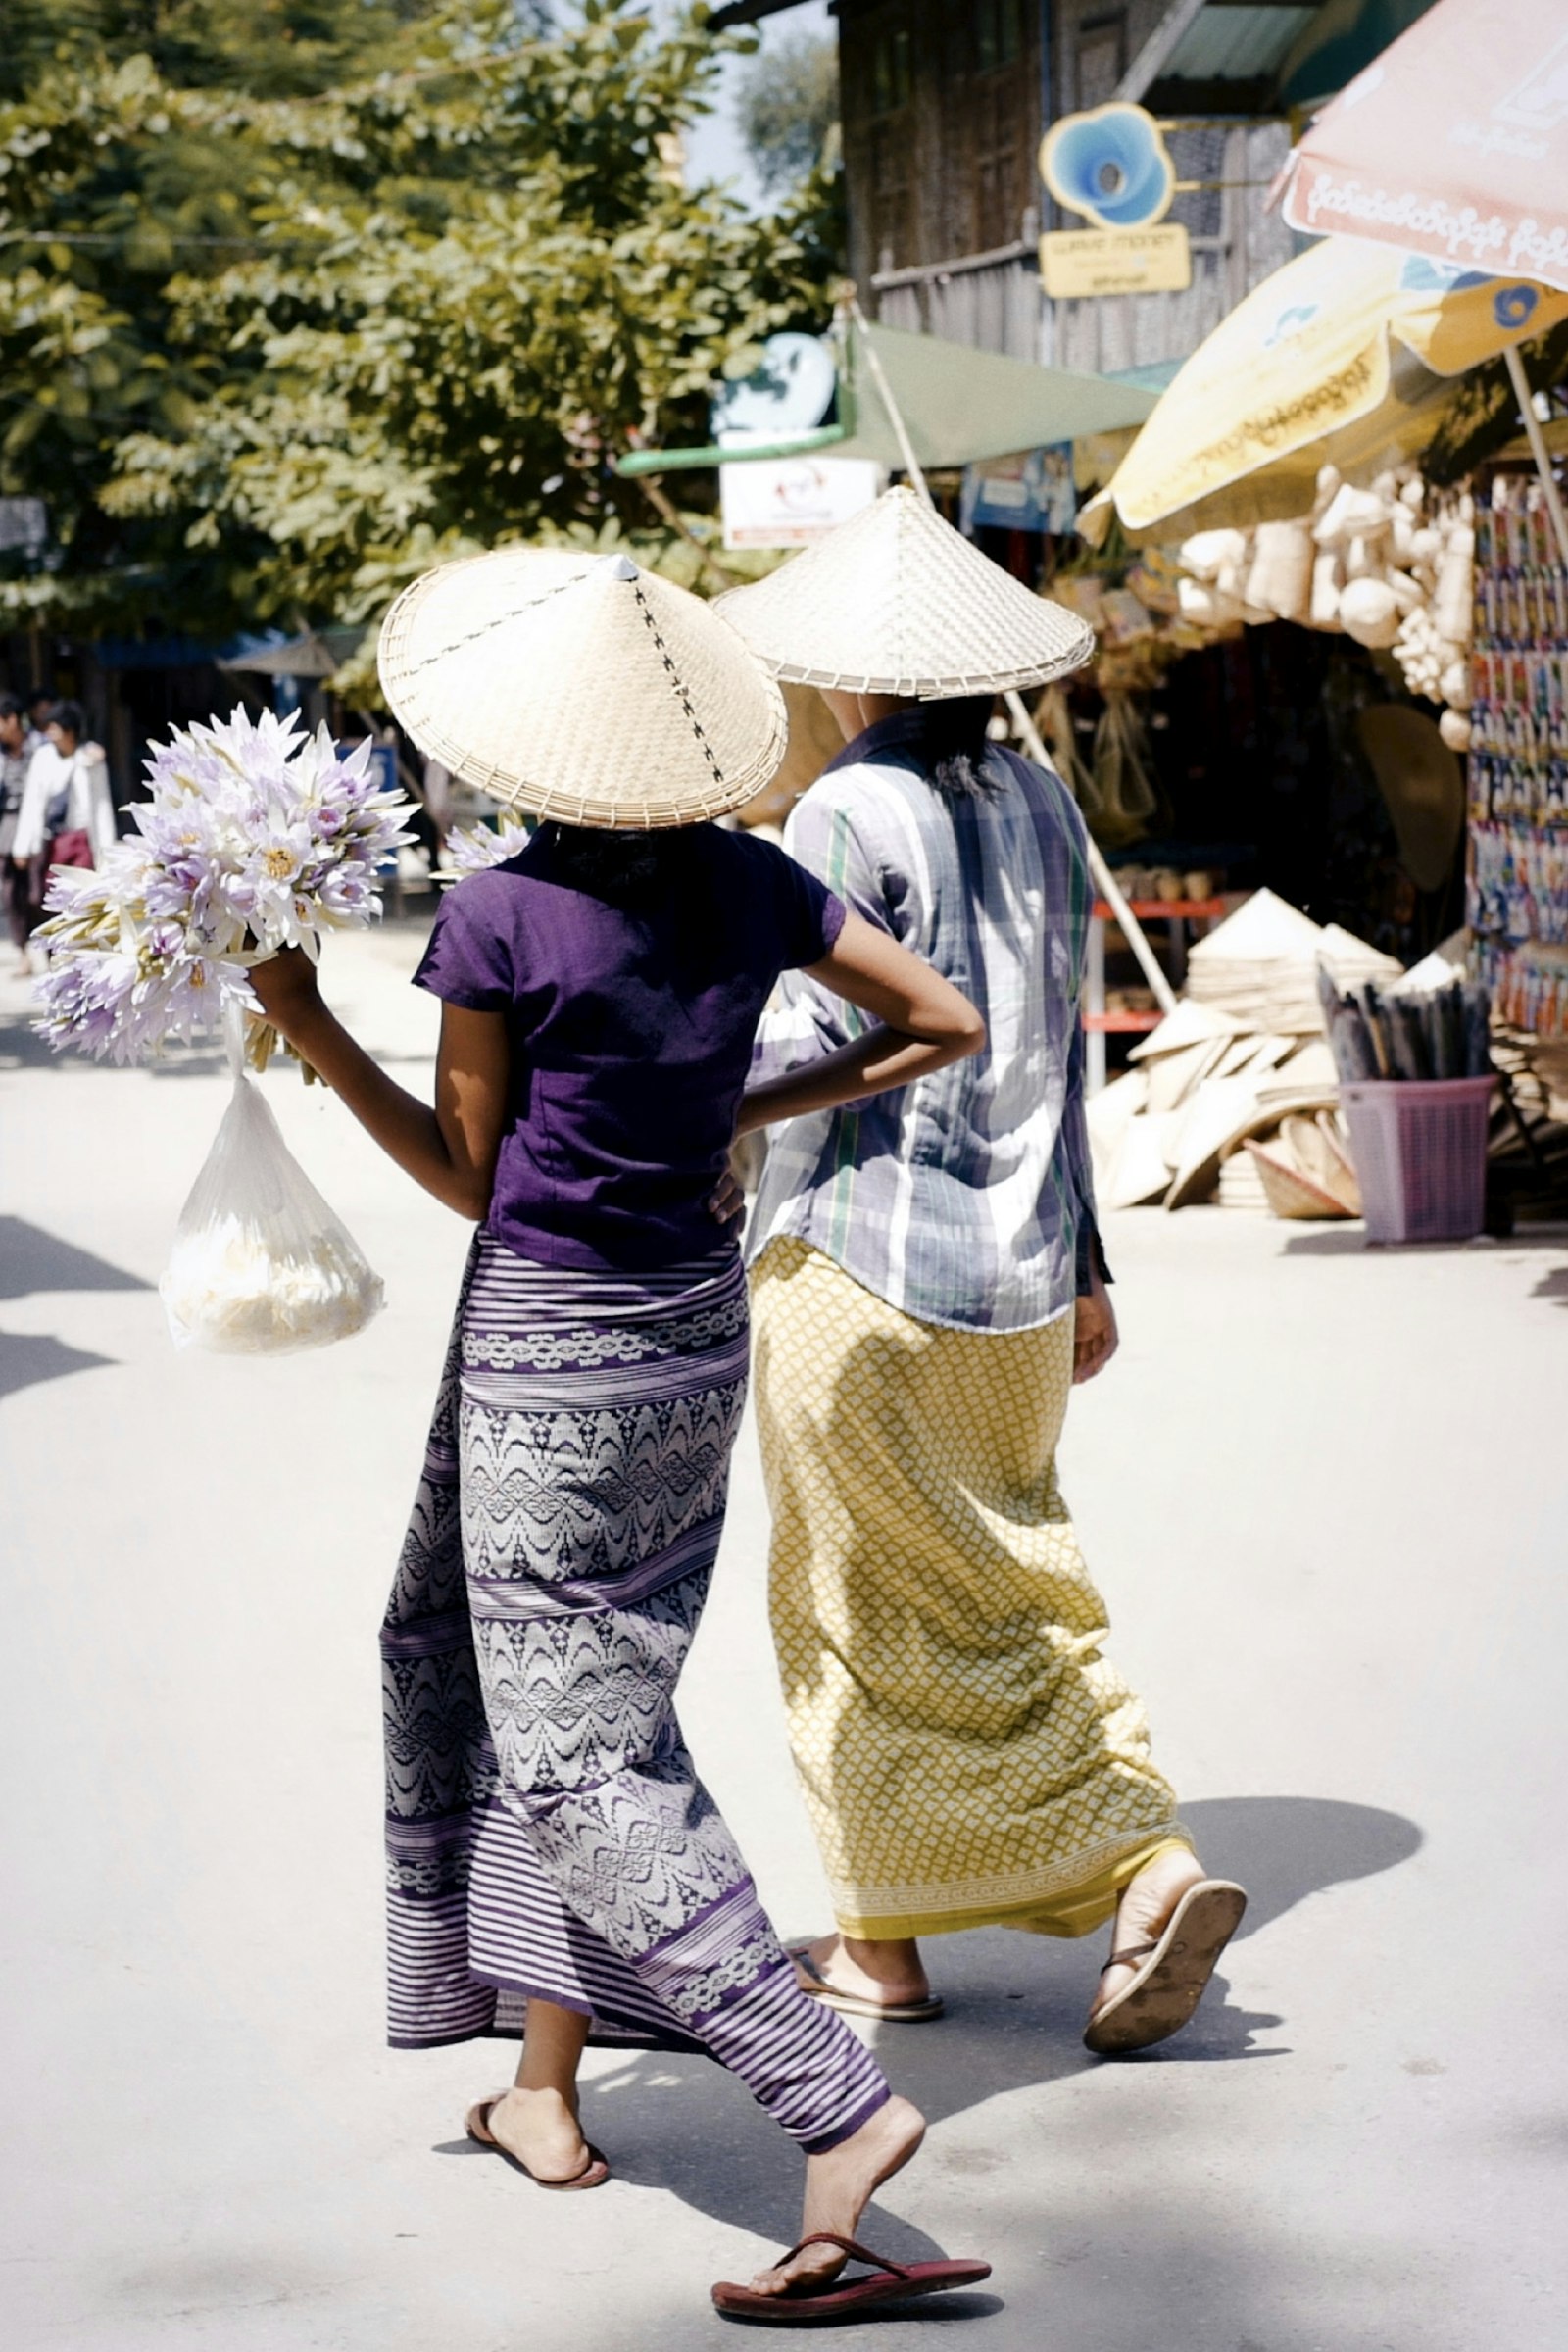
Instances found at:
x=256 y=837
x=477 y=850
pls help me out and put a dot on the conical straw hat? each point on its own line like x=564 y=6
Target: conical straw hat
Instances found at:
x=897 y=602
x=578 y=687
x=1264 y=930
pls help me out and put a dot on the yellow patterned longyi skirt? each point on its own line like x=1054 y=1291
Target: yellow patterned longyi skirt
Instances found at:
x=969 y=1756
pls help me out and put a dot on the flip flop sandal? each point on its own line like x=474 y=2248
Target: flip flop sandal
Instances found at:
x=595 y=2173
x=808 y=2306
x=859 y=2004
x=1172 y=1972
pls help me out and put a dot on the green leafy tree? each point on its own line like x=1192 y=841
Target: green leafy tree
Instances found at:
x=789 y=108
x=298 y=297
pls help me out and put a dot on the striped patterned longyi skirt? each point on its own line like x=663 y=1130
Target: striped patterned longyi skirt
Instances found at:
x=546 y=1831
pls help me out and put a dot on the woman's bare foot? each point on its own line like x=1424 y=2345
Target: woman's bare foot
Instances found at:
x=1145 y=1905
x=890 y=1972
x=839 y=2186
x=540 y=2128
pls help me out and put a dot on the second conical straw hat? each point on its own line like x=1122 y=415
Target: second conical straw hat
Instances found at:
x=897 y=602
x=580 y=688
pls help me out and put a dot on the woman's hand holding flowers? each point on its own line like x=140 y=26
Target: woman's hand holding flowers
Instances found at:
x=286 y=987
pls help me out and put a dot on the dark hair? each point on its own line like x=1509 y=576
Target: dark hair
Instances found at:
x=11 y=705
x=955 y=740
x=69 y=717
x=625 y=869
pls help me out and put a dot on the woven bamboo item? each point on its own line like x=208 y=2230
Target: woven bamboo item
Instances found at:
x=580 y=688
x=897 y=602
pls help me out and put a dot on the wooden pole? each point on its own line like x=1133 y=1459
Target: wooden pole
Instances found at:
x=1538 y=445
x=1104 y=880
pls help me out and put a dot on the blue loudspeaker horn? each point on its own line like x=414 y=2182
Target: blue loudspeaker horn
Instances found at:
x=1111 y=165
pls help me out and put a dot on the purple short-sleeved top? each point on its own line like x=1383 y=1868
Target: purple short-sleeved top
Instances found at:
x=632 y=1034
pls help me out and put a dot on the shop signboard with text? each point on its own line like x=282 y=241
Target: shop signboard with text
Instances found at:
x=1113 y=167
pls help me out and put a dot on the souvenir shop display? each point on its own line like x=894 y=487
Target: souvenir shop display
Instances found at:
x=1388 y=566
x=1403 y=1034
x=1517 y=880
x=1242 y=1060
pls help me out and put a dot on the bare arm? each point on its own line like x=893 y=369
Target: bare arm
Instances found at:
x=451 y=1151
x=927 y=1023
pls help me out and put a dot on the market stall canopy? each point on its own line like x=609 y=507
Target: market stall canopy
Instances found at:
x=1343 y=357
x=958 y=405
x=1454 y=143
x=316 y=654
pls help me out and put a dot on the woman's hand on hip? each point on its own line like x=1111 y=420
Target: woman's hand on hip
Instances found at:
x=729 y=1204
x=1094 y=1335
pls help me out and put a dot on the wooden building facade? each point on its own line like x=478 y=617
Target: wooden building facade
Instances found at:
x=944 y=103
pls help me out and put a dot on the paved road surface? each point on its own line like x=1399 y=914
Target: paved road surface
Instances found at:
x=1327 y=1493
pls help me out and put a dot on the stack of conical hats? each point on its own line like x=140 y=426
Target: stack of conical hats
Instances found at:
x=1242 y=1057
x=1260 y=966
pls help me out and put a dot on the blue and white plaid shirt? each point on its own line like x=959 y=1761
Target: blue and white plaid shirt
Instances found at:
x=967 y=1198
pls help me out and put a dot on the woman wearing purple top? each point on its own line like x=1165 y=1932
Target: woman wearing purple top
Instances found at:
x=554 y=1861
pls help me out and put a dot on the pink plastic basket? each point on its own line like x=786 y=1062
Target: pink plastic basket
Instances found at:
x=1420 y=1152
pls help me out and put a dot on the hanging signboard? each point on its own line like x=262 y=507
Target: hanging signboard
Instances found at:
x=788 y=501
x=1112 y=166
x=1115 y=260
x=1030 y=492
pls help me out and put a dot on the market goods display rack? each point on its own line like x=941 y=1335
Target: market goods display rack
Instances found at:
x=1516 y=884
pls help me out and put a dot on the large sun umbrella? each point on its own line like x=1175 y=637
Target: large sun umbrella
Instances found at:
x=1345 y=356
x=1453 y=143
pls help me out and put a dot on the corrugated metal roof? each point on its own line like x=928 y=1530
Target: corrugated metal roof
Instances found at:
x=1236 y=44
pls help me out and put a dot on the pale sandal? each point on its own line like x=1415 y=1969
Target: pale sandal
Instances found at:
x=860 y=2004
x=1172 y=1971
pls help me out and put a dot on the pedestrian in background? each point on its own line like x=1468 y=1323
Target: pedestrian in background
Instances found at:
x=67 y=816
x=927 y=1283
x=21 y=878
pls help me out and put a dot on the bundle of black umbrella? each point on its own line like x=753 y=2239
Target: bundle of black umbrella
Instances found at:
x=1376 y=1034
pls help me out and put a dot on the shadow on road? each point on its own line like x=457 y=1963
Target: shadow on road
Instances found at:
x=31 y=1259
x=1016 y=2005
x=1350 y=1241
x=1284 y=1849
x=27 y=1358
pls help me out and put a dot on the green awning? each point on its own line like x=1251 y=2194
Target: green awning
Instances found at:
x=961 y=405
x=958 y=405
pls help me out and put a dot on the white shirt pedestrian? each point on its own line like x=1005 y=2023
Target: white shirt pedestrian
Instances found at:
x=82 y=775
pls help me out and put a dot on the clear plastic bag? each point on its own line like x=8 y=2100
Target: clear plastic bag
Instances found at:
x=261 y=1265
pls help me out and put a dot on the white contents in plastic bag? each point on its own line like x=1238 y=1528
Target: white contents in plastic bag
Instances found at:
x=261 y=1265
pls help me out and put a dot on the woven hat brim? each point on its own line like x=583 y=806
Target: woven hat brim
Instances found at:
x=897 y=602
x=564 y=686
x=926 y=687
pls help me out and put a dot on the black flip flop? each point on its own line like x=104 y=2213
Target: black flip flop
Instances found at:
x=892 y=2282
x=595 y=2173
